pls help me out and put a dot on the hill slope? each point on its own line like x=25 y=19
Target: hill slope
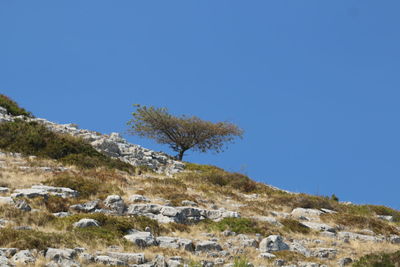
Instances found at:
x=166 y=213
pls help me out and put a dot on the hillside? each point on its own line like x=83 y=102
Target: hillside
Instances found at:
x=73 y=197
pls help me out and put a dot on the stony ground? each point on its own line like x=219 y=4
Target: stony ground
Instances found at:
x=58 y=215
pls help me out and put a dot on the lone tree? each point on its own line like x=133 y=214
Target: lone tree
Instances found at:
x=182 y=133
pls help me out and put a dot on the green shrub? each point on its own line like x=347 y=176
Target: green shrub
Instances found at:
x=291 y=225
x=219 y=177
x=241 y=262
x=84 y=185
x=112 y=229
x=32 y=138
x=12 y=107
x=379 y=260
x=361 y=222
x=30 y=239
x=237 y=225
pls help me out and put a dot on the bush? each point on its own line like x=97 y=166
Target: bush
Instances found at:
x=379 y=260
x=361 y=222
x=30 y=239
x=32 y=138
x=84 y=185
x=219 y=177
x=112 y=229
x=237 y=225
x=295 y=226
x=12 y=107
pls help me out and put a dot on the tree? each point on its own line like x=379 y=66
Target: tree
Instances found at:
x=182 y=133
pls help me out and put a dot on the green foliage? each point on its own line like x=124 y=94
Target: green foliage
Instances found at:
x=31 y=138
x=295 y=226
x=84 y=185
x=241 y=262
x=25 y=218
x=112 y=229
x=361 y=222
x=31 y=239
x=219 y=177
x=379 y=260
x=12 y=107
x=334 y=198
x=237 y=225
x=182 y=133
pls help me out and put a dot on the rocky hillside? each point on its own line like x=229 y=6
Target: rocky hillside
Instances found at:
x=58 y=212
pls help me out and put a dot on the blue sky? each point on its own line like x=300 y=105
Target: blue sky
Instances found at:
x=315 y=84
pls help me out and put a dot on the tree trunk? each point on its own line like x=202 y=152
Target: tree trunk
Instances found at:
x=180 y=155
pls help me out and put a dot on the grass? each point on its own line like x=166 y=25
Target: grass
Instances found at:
x=12 y=107
x=111 y=230
x=32 y=138
x=238 y=225
x=219 y=177
x=31 y=239
x=361 y=222
x=290 y=225
x=86 y=186
x=379 y=260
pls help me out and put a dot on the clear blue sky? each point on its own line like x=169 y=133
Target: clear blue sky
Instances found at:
x=315 y=84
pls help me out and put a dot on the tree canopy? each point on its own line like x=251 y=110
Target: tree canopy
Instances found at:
x=182 y=133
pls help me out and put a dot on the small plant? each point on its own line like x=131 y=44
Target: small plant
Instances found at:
x=12 y=107
x=334 y=198
x=379 y=260
x=32 y=138
x=241 y=262
x=295 y=226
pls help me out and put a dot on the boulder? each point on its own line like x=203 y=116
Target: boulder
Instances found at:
x=344 y=262
x=55 y=254
x=86 y=207
x=63 y=192
x=176 y=243
x=6 y=201
x=85 y=222
x=107 y=260
x=24 y=257
x=138 y=198
x=141 y=239
x=319 y=226
x=132 y=258
x=4 y=190
x=206 y=246
x=22 y=205
x=273 y=243
x=324 y=253
x=30 y=193
x=301 y=212
x=115 y=203
x=4 y=262
x=266 y=255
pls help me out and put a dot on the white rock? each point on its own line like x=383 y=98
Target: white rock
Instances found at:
x=273 y=243
x=24 y=257
x=266 y=255
x=141 y=239
x=319 y=226
x=301 y=212
x=85 y=222
x=206 y=246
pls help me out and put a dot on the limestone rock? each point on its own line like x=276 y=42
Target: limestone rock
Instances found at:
x=141 y=239
x=301 y=212
x=319 y=226
x=86 y=207
x=273 y=243
x=176 y=243
x=83 y=223
x=206 y=246
x=24 y=257
x=116 y=203
x=132 y=258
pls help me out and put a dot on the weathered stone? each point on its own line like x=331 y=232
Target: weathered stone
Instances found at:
x=4 y=190
x=4 y=262
x=107 y=260
x=86 y=207
x=141 y=239
x=273 y=243
x=246 y=241
x=301 y=212
x=355 y=236
x=85 y=222
x=385 y=217
x=116 y=203
x=319 y=226
x=206 y=246
x=62 y=214
x=30 y=193
x=63 y=192
x=138 y=198
x=22 y=205
x=176 y=243
x=270 y=220
x=394 y=239
x=56 y=254
x=266 y=255
x=328 y=253
x=132 y=258
x=299 y=248
x=24 y=257
x=344 y=262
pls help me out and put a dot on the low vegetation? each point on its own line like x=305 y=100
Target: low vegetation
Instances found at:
x=32 y=138
x=87 y=186
x=12 y=107
x=238 y=225
x=379 y=260
x=291 y=225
